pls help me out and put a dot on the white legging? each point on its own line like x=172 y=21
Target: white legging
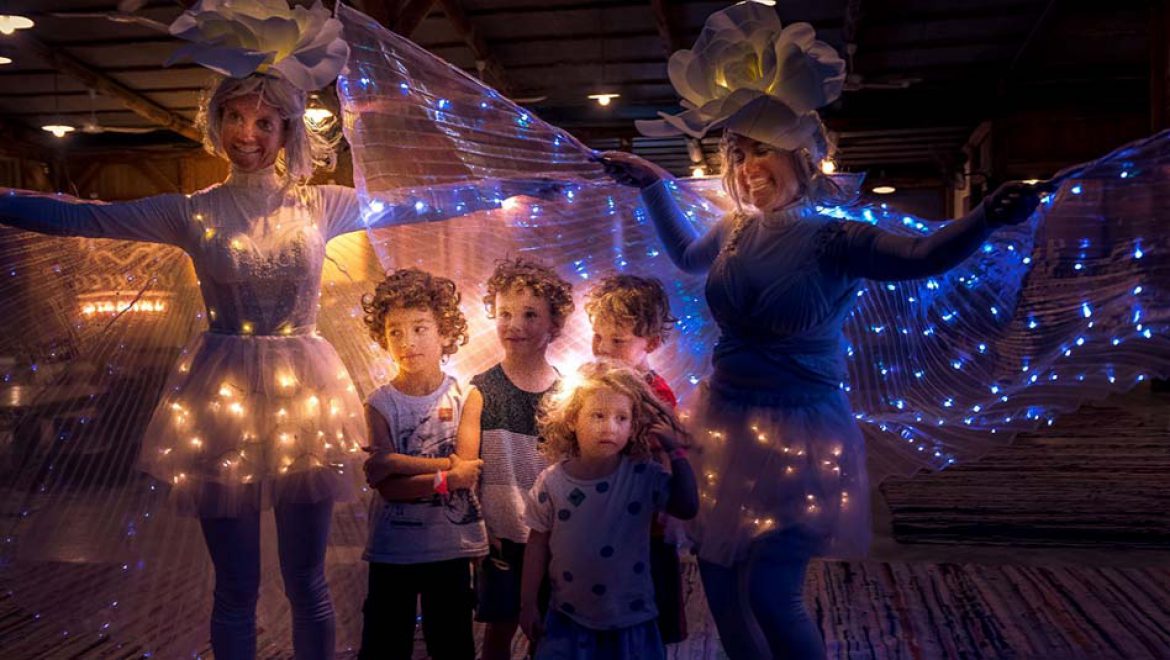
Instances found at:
x=763 y=595
x=302 y=531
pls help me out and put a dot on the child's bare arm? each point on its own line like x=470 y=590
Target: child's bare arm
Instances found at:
x=467 y=440
x=384 y=462
x=536 y=555
x=407 y=489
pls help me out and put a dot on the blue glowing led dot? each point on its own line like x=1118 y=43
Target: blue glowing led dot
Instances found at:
x=1027 y=260
x=1137 y=252
x=444 y=104
x=1076 y=190
x=1137 y=290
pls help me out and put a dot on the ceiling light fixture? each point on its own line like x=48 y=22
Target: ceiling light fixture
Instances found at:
x=604 y=99
x=316 y=112
x=57 y=125
x=10 y=23
x=59 y=130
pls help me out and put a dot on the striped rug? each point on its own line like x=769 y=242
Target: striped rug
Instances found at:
x=869 y=609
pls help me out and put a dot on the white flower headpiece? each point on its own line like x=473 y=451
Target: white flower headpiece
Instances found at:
x=240 y=37
x=752 y=76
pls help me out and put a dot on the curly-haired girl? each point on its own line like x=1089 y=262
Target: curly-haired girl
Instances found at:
x=590 y=514
x=425 y=528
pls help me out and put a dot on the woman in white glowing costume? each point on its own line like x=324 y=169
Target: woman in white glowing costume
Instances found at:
x=260 y=413
x=781 y=461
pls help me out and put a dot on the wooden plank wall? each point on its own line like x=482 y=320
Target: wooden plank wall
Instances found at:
x=1095 y=478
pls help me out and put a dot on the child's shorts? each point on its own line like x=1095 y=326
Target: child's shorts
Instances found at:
x=565 y=639
x=498 y=584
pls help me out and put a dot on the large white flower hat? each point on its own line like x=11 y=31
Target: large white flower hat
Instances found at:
x=240 y=37
x=749 y=74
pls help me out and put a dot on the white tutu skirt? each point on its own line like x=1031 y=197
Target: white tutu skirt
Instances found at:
x=770 y=466
x=248 y=422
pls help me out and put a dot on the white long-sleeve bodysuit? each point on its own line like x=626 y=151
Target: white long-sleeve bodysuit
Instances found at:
x=260 y=408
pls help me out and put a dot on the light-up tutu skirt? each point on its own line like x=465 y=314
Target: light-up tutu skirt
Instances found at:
x=249 y=422
x=786 y=461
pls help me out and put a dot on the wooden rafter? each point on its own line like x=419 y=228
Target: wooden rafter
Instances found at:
x=61 y=62
x=402 y=16
x=18 y=141
x=411 y=15
x=664 y=20
x=491 y=71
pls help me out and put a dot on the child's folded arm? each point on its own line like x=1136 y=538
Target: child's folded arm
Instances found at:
x=385 y=462
x=407 y=488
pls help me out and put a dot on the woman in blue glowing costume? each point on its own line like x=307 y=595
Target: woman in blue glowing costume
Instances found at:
x=780 y=459
x=260 y=412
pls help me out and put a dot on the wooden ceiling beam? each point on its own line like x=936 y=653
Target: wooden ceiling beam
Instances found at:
x=104 y=84
x=401 y=16
x=19 y=141
x=411 y=15
x=664 y=20
x=491 y=70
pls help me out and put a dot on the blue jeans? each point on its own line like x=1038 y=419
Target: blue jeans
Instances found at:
x=762 y=597
x=302 y=531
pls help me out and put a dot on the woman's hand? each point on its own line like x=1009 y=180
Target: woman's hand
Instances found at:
x=630 y=170
x=1011 y=203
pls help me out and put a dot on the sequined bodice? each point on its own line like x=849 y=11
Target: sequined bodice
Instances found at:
x=258 y=255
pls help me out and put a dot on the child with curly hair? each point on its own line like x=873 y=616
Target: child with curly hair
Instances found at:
x=530 y=304
x=631 y=319
x=590 y=514
x=425 y=525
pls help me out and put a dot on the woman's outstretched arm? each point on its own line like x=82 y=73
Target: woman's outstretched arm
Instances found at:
x=862 y=250
x=158 y=219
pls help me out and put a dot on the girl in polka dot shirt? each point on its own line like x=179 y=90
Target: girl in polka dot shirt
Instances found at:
x=590 y=515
